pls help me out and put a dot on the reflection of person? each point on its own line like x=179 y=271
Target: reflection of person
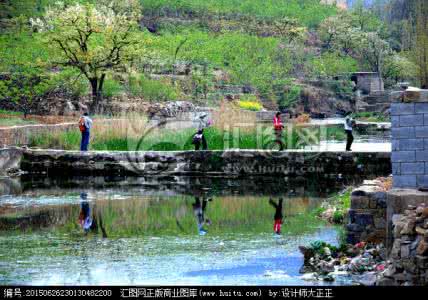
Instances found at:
x=278 y=215
x=199 y=211
x=87 y=217
x=349 y=123
x=278 y=127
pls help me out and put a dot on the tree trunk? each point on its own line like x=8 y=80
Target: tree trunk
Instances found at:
x=94 y=105
x=97 y=93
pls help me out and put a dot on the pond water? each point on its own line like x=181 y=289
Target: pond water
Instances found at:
x=120 y=234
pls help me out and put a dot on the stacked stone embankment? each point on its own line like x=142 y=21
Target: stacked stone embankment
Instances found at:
x=242 y=162
x=367 y=216
x=408 y=263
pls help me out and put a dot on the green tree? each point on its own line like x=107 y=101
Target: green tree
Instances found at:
x=421 y=41
x=22 y=91
x=95 y=39
x=333 y=63
x=373 y=51
x=397 y=67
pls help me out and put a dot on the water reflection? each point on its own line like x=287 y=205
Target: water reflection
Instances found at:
x=89 y=218
x=85 y=218
x=46 y=235
x=199 y=211
x=277 y=218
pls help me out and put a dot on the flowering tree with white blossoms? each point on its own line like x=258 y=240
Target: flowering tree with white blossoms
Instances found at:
x=94 y=38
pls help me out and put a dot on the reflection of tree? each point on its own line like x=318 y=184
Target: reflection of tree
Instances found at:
x=98 y=223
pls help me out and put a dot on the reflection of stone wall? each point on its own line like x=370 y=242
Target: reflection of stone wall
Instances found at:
x=9 y=186
x=367 y=216
x=10 y=160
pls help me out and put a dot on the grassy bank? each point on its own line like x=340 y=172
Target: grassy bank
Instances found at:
x=109 y=139
x=232 y=128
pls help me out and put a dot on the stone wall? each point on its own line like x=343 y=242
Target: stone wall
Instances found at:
x=398 y=202
x=409 y=254
x=367 y=216
x=10 y=160
x=368 y=82
x=214 y=163
x=409 y=114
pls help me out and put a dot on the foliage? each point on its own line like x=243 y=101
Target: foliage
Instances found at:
x=250 y=60
x=72 y=81
x=420 y=50
x=250 y=103
x=155 y=90
x=290 y=96
x=398 y=67
x=94 y=39
x=319 y=248
x=342 y=88
x=332 y=64
x=309 y=12
x=21 y=91
x=112 y=88
x=371 y=117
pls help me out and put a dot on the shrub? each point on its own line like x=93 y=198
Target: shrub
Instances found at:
x=112 y=88
x=332 y=63
x=338 y=217
x=289 y=97
x=154 y=90
x=250 y=103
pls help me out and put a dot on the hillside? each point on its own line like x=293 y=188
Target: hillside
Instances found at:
x=201 y=51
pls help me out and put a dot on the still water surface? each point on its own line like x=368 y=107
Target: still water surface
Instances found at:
x=92 y=236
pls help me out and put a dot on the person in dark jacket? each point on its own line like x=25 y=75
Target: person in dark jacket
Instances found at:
x=277 y=218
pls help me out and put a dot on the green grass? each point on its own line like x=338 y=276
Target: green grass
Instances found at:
x=336 y=133
x=342 y=203
x=175 y=140
x=15 y=122
x=9 y=112
x=371 y=117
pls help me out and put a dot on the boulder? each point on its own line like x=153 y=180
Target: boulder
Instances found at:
x=422 y=249
x=409 y=227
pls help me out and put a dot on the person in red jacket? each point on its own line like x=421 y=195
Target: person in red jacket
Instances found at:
x=278 y=127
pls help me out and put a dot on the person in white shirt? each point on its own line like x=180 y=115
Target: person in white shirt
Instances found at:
x=85 y=125
x=199 y=137
x=349 y=123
